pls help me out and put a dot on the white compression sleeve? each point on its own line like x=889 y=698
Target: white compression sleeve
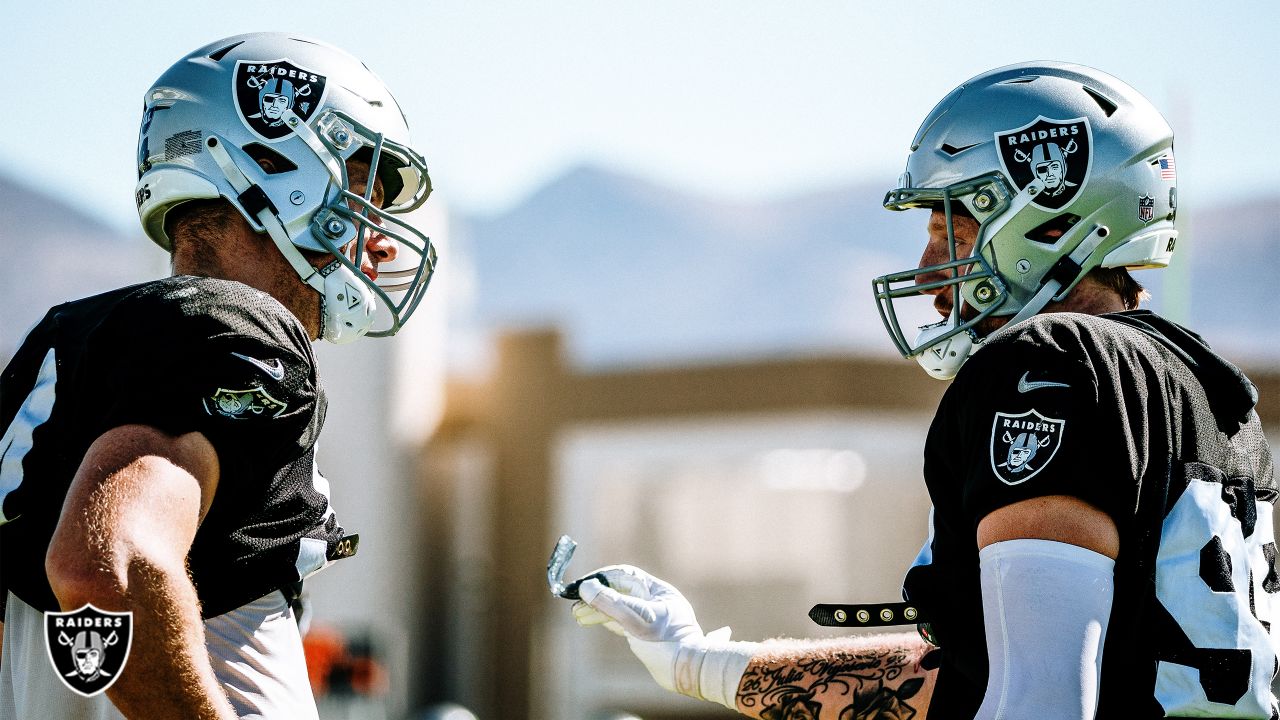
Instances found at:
x=1045 y=605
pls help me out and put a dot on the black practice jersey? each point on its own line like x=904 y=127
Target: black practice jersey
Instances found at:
x=1137 y=416
x=182 y=355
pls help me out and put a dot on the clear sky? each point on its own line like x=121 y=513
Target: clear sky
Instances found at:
x=738 y=99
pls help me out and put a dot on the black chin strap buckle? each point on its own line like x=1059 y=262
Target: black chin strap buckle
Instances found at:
x=254 y=200
x=1065 y=271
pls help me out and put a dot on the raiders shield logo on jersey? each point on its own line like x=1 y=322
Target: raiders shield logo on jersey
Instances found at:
x=242 y=404
x=1058 y=152
x=266 y=91
x=88 y=647
x=1021 y=445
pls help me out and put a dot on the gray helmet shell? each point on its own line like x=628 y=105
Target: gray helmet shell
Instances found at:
x=268 y=121
x=1025 y=149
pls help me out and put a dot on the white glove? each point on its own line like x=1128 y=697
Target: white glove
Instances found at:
x=662 y=631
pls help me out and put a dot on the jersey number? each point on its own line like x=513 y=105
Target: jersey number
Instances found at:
x=1217 y=584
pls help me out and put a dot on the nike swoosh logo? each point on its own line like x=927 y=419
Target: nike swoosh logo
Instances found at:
x=1025 y=386
x=275 y=369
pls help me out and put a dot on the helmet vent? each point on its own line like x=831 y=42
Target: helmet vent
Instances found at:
x=1107 y=106
x=218 y=54
x=952 y=150
x=271 y=162
x=1051 y=232
x=1023 y=80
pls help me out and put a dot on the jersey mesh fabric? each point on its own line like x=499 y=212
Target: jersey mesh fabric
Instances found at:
x=1137 y=408
x=182 y=355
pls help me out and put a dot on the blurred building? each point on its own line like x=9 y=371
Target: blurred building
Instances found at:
x=758 y=488
x=762 y=453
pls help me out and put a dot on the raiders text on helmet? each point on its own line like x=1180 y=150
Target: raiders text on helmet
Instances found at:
x=1065 y=168
x=268 y=121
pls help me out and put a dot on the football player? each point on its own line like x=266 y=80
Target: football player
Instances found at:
x=159 y=440
x=1101 y=539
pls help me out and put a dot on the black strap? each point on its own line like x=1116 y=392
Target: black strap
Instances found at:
x=1065 y=271
x=293 y=596
x=254 y=200
x=345 y=547
x=292 y=592
x=869 y=615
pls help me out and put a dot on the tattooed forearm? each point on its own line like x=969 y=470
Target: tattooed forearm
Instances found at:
x=853 y=679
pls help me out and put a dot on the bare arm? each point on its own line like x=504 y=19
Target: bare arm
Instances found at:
x=127 y=524
x=1054 y=517
x=846 y=678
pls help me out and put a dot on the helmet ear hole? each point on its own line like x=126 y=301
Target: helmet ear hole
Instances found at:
x=1050 y=231
x=271 y=162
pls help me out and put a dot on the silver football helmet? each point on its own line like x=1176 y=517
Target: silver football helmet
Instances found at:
x=300 y=109
x=1065 y=168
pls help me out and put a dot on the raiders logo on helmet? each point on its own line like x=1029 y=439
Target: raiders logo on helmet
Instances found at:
x=1058 y=152
x=265 y=90
x=1021 y=445
x=88 y=647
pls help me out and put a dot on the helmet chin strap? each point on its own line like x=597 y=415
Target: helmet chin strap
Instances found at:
x=346 y=303
x=1062 y=275
x=942 y=358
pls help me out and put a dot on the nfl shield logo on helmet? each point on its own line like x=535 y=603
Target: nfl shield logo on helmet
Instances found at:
x=268 y=91
x=1146 y=208
x=1022 y=445
x=1057 y=152
x=88 y=647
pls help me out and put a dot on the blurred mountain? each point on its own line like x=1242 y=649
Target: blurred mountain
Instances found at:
x=635 y=272
x=50 y=252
